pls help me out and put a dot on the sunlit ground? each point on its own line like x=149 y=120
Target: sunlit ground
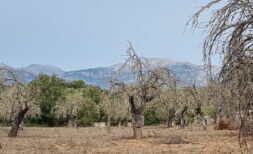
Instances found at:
x=157 y=139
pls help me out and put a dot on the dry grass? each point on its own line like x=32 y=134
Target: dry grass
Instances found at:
x=156 y=140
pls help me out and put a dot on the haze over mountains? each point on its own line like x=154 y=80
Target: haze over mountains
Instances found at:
x=188 y=73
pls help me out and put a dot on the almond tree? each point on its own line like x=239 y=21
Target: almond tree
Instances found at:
x=196 y=99
x=230 y=33
x=115 y=106
x=169 y=102
x=69 y=104
x=17 y=101
x=146 y=86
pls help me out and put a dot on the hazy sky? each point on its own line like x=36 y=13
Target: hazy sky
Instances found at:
x=77 y=34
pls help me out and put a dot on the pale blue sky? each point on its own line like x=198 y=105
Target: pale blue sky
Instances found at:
x=78 y=34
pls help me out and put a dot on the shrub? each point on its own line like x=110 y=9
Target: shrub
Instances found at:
x=85 y=121
x=151 y=117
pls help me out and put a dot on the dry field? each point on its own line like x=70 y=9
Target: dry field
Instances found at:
x=156 y=140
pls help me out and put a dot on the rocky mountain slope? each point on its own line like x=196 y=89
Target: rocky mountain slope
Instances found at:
x=188 y=73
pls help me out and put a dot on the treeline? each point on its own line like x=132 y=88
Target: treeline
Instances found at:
x=56 y=102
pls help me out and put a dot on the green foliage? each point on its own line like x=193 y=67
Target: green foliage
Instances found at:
x=151 y=117
x=87 y=114
x=50 y=88
x=93 y=93
x=76 y=84
x=209 y=110
x=51 y=91
x=85 y=121
x=4 y=122
x=177 y=119
x=190 y=117
x=34 y=124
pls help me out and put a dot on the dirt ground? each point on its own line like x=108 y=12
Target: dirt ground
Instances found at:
x=158 y=139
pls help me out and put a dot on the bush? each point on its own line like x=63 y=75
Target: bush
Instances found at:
x=4 y=122
x=85 y=121
x=177 y=119
x=151 y=117
x=87 y=115
x=35 y=125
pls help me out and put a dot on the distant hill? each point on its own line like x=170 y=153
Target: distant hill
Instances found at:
x=45 y=69
x=188 y=73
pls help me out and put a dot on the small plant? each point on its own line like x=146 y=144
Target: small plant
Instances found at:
x=175 y=139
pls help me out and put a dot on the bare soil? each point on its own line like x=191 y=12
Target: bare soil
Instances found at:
x=157 y=139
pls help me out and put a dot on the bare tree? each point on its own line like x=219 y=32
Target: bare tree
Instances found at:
x=197 y=103
x=230 y=33
x=148 y=82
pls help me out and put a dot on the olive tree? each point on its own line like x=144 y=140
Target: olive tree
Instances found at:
x=230 y=33
x=149 y=80
x=68 y=105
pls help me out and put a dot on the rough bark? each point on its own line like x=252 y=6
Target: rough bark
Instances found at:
x=171 y=115
x=108 y=123
x=202 y=120
x=16 y=122
x=184 y=117
x=21 y=126
x=138 y=123
x=72 y=121
x=137 y=117
x=137 y=133
x=200 y=116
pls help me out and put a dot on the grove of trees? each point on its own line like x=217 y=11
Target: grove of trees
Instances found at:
x=153 y=96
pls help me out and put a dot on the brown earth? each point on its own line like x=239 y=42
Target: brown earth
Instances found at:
x=157 y=139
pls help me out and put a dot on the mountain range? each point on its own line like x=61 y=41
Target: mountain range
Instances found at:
x=187 y=73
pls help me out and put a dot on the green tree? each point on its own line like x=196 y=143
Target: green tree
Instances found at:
x=93 y=96
x=49 y=89
x=76 y=84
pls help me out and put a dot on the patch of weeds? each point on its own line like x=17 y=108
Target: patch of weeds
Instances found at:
x=175 y=139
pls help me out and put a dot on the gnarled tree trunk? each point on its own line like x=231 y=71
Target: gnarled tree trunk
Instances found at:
x=72 y=121
x=16 y=122
x=171 y=115
x=184 y=117
x=138 y=123
x=137 y=117
x=108 y=124
x=21 y=126
x=200 y=116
